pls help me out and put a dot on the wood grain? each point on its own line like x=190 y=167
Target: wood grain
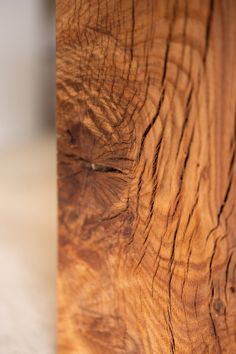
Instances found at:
x=146 y=176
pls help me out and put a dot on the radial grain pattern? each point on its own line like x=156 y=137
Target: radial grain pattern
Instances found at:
x=146 y=122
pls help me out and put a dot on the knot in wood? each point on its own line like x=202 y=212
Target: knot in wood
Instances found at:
x=219 y=307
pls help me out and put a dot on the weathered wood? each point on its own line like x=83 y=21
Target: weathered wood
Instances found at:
x=146 y=163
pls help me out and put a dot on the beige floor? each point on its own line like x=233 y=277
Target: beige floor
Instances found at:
x=28 y=248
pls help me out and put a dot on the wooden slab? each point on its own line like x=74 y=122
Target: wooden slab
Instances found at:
x=146 y=176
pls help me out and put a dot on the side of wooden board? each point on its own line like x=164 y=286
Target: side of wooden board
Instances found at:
x=146 y=122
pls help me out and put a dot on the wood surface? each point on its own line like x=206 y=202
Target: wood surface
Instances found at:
x=146 y=176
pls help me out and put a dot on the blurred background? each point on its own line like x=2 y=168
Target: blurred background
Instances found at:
x=28 y=223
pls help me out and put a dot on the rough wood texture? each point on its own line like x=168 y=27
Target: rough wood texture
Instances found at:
x=146 y=154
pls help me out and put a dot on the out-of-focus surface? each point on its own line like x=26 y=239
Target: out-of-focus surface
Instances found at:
x=28 y=248
x=27 y=178
x=26 y=68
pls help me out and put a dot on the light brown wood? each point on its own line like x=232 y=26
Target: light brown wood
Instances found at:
x=146 y=163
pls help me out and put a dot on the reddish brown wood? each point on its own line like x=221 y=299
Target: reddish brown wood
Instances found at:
x=146 y=164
